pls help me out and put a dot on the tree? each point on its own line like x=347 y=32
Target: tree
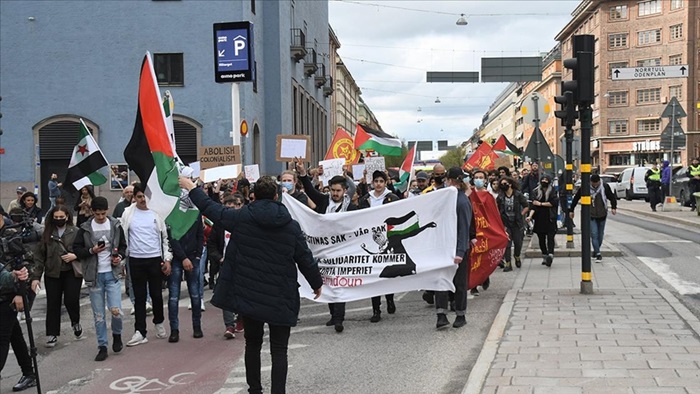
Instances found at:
x=453 y=157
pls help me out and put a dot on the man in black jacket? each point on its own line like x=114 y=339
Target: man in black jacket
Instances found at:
x=601 y=194
x=337 y=201
x=259 y=276
x=187 y=252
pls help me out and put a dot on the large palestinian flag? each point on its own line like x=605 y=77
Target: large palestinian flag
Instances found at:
x=376 y=140
x=150 y=154
x=86 y=161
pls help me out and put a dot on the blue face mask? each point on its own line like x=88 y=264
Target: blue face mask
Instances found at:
x=288 y=185
x=479 y=183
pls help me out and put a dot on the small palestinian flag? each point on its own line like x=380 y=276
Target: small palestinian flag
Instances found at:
x=406 y=170
x=403 y=225
x=86 y=162
x=151 y=155
x=378 y=141
x=507 y=147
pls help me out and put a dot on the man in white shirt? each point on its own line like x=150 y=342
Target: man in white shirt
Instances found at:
x=149 y=259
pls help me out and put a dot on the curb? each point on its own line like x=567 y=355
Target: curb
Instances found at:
x=481 y=368
x=661 y=216
x=533 y=250
x=682 y=311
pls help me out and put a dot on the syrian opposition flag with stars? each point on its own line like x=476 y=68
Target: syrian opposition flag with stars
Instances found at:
x=86 y=162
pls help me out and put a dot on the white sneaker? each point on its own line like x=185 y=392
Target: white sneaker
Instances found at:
x=189 y=306
x=51 y=341
x=137 y=339
x=470 y=296
x=203 y=308
x=160 y=331
x=133 y=311
x=149 y=308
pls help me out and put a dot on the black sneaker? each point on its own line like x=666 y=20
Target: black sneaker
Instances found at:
x=339 y=326
x=549 y=259
x=25 y=382
x=460 y=321
x=508 y=267
x=78 y=331
x=598 y=258
x=429 y=297
x=390 y=307
x=376 y=317
x=102 y=354
x=475 y=292
x=518 y=263
x=442 y=321
x=174 y=336
x=330 y=323
x=117 y=344
x=197 y=332
x=486 y=284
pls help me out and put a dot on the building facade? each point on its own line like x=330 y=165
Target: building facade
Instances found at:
x=627 y=121
x=62 y=61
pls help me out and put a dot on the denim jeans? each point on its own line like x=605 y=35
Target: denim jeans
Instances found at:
x=597 y=233
x=108 y=288
x=229 y=318
x=174 y=283
x=279 y=339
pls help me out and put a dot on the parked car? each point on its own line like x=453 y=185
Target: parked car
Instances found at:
x=680 y=187
x=631 y=184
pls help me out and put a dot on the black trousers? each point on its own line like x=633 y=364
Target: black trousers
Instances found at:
x=62 y=290
x=516 y=240
x=693 y=187
x=377 y=301
x=279 y=339
x=337 y=310
x=546 y=242
x=460 y=295
x=655 y=198
x=147 y=272
x=11 y=334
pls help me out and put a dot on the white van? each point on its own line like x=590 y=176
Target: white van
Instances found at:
x=631 y=184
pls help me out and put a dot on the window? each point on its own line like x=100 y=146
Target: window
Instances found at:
x=649 y=62
x=169 y=69
x=676 y=31
x=648 y=125
x=618 y=126
x=676 y=4
x=612 y=66
x=617 y=40
x=676 y=91
x=649 y=7
x=675 y=60
x=617 y=98
x=652 y=95
x=647 y=37
x=619 y=160
x=618 y=12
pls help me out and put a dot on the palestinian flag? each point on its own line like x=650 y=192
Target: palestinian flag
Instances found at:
x=168 y=107
x=406 y=170
x=151 y=155
x=403 y=225
x=378 y=141
x=86 y=162
x=507 y=147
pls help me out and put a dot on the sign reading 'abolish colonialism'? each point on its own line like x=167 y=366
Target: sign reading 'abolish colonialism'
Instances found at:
x=214 y=156
x=406 y=245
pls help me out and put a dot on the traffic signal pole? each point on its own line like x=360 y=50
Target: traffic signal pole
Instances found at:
x=586 y=115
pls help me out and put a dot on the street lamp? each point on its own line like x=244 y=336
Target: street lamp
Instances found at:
x=437 y=100
x=462 y=21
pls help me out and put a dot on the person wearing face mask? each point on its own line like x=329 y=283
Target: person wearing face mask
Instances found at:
x=439 y=173
x=288 y=181
x=62 y=273
x=480 y=186
x=513 y=206
x=544 y=213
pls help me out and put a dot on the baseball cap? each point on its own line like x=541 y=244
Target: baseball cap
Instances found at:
x=455 y=173
x=422 y=175
x=21 y=189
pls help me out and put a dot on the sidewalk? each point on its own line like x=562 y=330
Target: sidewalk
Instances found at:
x=628 y=337
x=638 y=207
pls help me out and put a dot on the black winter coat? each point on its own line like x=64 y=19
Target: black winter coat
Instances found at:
x=258 y=278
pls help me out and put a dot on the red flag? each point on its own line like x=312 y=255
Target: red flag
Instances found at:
x=342 y=147
x=483 y=158
x=491 y=238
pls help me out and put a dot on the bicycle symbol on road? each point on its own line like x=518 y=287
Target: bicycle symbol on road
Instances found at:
x=140 y=384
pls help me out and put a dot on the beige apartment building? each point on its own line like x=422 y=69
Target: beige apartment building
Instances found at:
x=627 y=119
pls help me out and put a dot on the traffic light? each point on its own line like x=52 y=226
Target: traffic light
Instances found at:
x=567 y=112
x=582 y=68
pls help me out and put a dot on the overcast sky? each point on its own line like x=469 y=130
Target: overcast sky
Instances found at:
x=388 y=46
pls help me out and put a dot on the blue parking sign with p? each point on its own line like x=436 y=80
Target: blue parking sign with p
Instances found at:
x=233 y=45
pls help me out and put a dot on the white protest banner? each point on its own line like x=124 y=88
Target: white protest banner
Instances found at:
x=252 y=172
x=403 y=246
x=358 y=171
x=224 y=172
x=331 y=168
x=373 y=164
x=195 y=169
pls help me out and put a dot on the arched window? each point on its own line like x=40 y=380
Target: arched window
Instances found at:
x=187 y=137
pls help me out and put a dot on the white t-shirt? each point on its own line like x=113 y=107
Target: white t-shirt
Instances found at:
x=227 y=237
x=104 y=261
x=144 y=235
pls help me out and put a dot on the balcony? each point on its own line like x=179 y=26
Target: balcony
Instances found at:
x=328 y=89
x=310 y=65
x=320 y=78
x=298 y=47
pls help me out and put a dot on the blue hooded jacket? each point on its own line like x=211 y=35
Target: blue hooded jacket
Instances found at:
x=665 y=173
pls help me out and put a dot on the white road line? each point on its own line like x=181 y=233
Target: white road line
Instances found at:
x=664 y=270
x=669 y=241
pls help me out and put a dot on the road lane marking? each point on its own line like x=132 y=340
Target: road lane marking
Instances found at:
x=664 y=270
x=668 y=241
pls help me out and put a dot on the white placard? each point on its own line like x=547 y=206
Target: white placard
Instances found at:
x=252 y=172
x=331 y=168
x=358 y=171
x=196 y=169
x=292 y=148
x=373 y=164
x=230 y=171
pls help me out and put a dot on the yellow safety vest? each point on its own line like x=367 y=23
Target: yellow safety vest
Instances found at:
x=655 y=175
x=695 y=170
